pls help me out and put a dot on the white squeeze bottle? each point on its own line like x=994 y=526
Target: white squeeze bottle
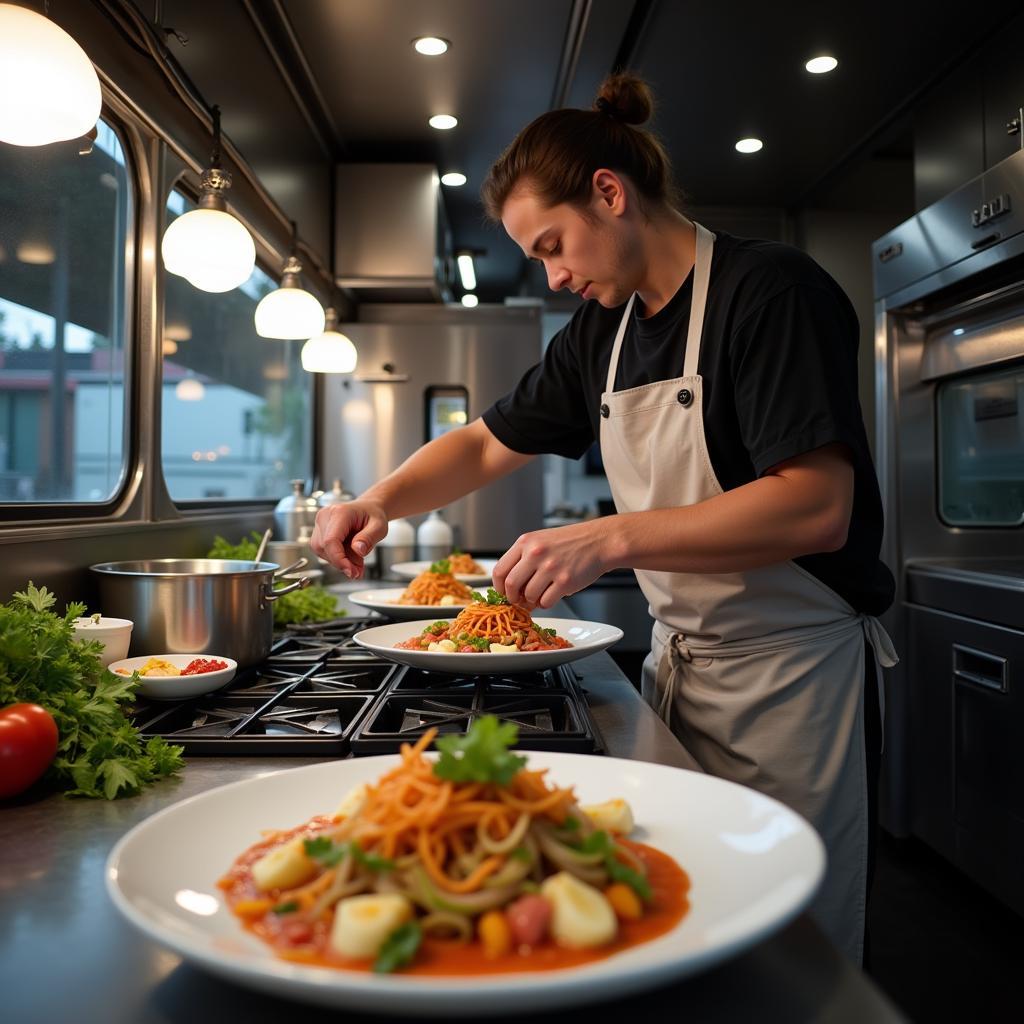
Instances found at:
x=397 y=547
x=433 y=538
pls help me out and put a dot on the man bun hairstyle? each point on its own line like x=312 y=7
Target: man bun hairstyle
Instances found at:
x=555 y=156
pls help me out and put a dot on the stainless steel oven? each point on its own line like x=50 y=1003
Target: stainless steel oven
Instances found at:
x=949 y=289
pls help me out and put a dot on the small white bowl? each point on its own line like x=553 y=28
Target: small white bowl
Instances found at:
x=114 y=634
x=176 y=687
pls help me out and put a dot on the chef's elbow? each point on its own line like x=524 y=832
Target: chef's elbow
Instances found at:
x=833 y=530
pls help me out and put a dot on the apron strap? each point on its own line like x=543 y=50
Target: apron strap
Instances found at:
x=698 y=298
x=613 y=363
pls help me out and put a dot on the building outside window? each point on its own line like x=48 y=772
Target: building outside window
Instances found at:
x=64 y=227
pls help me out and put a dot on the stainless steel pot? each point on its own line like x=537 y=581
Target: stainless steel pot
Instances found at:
x=196 y=605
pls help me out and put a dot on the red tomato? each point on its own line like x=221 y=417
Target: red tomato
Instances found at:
x=28 y=741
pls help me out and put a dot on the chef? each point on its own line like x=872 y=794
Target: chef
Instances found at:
x=719 y=377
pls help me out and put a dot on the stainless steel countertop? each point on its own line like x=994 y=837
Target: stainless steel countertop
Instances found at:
x=67 y=955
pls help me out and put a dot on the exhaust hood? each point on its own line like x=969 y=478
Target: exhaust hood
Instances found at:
x=392 y=241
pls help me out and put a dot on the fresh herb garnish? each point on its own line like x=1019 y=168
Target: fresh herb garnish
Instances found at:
x=620 y=872
x=570 y=824
x=330 y=854
x=438 y=627
x=481 y=643
x=399 y=948
x=99 y=752
x=521 y=853
x=482 y=755
x=442 y=565
x=326 y=851
x=285 y=908
x=596 y=842
x=493 y=597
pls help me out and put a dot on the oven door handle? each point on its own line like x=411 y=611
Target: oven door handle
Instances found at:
x=980 y=668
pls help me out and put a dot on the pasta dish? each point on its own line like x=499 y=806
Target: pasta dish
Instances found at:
x=464 y=564
x=466 y=863
x=486 y=625
x=436 y=586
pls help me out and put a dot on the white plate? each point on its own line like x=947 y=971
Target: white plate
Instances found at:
x=410 y=570
x=177 y=687
x=753 y=865
x=386 y=602
x=586 y=637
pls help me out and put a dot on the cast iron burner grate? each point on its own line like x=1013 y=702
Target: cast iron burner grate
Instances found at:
x=319 y=693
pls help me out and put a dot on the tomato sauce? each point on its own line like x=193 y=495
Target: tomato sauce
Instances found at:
x=309 y=942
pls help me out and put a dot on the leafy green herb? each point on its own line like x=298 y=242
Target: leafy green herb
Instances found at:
x=370 y=860
x=493 y=597
x=480 y=643
x=620 y=872
x=441 y=566
x=596 y=842
x=325 y=850
x=521 y=853
x=285 y=908
x=482 y=755
x=438 y=627
x=399 y=948
x=245 y=550
x=330 y=853
x=99 y=752
x=570 y=824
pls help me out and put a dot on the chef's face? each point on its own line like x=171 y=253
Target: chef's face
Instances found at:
x=591 y=251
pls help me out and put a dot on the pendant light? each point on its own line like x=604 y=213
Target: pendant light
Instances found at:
x=49 y=91
x=189 y=389
x=290 y=312
x=330 y=352
x=208 y=246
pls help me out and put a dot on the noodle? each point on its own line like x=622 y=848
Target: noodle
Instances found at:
x=430 y=586
x=465 y=564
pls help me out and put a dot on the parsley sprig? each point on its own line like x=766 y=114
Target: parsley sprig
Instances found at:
x=493 y=597
x=99 y=752
x=442 y=565
x=330 y=854
x=482 y=755
x=399 y=948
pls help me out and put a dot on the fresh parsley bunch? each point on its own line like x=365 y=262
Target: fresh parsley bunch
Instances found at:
x=99 y=753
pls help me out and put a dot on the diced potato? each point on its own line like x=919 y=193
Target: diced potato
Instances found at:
x=442 y=645
x=353 y=802
x=503 y=648
x=448 y=600
x=284 y=867
x=580 y=915
x=363 y=923
x=613 y=816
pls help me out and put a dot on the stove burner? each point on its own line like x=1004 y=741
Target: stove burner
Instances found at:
x=320 y=693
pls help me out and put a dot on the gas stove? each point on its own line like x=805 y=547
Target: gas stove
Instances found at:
x=318 y=692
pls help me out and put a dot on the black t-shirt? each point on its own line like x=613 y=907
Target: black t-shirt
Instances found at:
x=778 y=360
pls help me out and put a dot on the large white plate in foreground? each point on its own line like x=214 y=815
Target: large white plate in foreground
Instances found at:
x=586 y=637
x=753 y=864
x=386 y=602
x=410 y=570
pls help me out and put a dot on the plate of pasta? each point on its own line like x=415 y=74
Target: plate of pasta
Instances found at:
x=434 y=591
x=451 y=882
x=488 y=636
x=466 y=569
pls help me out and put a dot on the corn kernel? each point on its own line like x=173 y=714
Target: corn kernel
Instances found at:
x=494 y=933
x=624 y=901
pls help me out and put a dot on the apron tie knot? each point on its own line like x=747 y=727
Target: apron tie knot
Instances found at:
x=679 y=654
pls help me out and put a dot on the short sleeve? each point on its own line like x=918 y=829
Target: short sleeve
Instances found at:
x=546 y=413
x=794 y=367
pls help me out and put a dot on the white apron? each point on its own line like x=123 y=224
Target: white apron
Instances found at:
x=760 y=673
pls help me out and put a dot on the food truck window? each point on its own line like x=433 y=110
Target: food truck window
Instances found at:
x=237 y=409
x=981 y=449
x=65 y=229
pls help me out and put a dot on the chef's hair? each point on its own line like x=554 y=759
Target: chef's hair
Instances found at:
x=556 y=154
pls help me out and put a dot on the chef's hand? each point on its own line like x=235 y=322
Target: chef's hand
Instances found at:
x=543 y=567
x=345 y=534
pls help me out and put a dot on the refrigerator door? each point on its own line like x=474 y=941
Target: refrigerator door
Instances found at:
x=421 y=368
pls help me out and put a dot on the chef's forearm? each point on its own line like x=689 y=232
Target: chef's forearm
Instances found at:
x=770 y=520
x=444 y=470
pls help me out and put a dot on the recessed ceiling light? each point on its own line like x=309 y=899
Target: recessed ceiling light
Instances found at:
x=453 y=178
x=430 y=46
x=821 y=65
x=749 y=145
x=470 y=300
x=443 y=122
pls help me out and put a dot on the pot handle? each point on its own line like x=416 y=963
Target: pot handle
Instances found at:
x=270 y=594
x=300 y=564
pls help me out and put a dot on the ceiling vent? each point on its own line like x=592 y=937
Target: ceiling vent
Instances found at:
x=392 y=242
